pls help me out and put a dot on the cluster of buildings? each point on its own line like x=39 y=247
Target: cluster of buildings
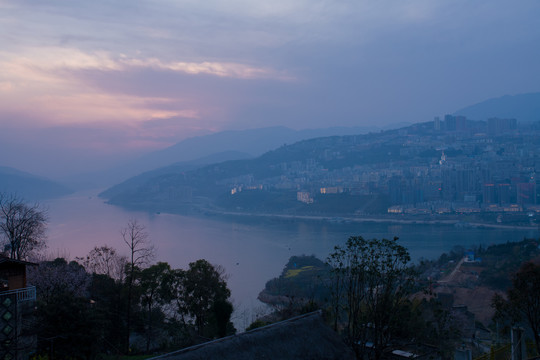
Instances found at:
x=444 y=166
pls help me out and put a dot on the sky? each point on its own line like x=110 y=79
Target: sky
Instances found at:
x=94 y=82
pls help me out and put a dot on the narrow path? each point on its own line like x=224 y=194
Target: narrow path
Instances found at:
x=450 y=276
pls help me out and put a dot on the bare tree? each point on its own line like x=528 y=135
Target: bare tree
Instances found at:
x=141 y=252
x=105 y=260
x=22 y=226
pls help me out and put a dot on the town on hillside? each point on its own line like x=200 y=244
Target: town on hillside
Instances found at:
x=451 y=168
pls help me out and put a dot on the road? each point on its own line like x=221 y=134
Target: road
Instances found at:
x=450 y=276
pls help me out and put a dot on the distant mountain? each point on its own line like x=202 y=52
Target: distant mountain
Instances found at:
x=523 y=107
x=132 y=184
x=252 y=143
x=28 y=186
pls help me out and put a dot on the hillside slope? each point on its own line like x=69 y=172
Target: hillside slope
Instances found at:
x=523 y=107
x=28 y=186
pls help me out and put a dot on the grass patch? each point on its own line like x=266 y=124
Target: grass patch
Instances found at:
x=294 y=272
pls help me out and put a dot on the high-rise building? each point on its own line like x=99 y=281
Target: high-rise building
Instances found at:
x=498 y=126
x=461 y=123
x=449 y=123
x=455 y=123
x=437 y=123
x=526 y=193
x=489 y=194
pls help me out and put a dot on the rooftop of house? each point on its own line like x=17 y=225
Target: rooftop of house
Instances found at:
x=301 y=337
x=7 y=260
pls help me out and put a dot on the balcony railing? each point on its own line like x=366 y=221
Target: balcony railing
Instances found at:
x=24 y=294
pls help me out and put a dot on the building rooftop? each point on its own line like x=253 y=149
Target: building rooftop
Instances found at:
x=302 y=337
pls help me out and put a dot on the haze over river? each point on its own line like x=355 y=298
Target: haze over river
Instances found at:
x=252 y=250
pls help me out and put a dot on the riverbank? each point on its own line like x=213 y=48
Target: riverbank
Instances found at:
x=375 y=219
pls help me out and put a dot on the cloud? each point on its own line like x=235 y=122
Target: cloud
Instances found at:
x=157 y=69
x=5 y=86
x=57 y=59
x=223 y=69
x=67 y=85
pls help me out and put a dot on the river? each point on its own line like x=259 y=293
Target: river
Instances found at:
x=252 y=250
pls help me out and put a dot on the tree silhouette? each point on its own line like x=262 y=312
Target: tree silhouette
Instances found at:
x=370 y=286
x=206 y=296
x=523 y=300
x=140 y=254
x=22 y=226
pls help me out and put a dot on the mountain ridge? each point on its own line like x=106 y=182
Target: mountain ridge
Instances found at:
x=30 y=187
x=523 y=107
x=252 y=142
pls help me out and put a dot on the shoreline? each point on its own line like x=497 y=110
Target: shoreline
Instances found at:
x=199 y=211
x=348 y=219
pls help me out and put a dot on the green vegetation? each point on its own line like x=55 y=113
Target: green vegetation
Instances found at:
x=500 y=262
x=371 y=281
x=371 y=293
x=82 y=314
x=107 y=304
x=296 y=272
x=257 y=324
x=365 y=289
x=522 y=305
x=302 y=278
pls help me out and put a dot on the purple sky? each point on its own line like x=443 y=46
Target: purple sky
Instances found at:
x=87 y=80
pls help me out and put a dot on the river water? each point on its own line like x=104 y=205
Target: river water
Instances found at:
x=252 y=250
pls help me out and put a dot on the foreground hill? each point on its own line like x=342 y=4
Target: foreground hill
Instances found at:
x=28 y=186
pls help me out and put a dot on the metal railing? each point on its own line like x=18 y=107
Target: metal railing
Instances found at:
x=24 y=294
